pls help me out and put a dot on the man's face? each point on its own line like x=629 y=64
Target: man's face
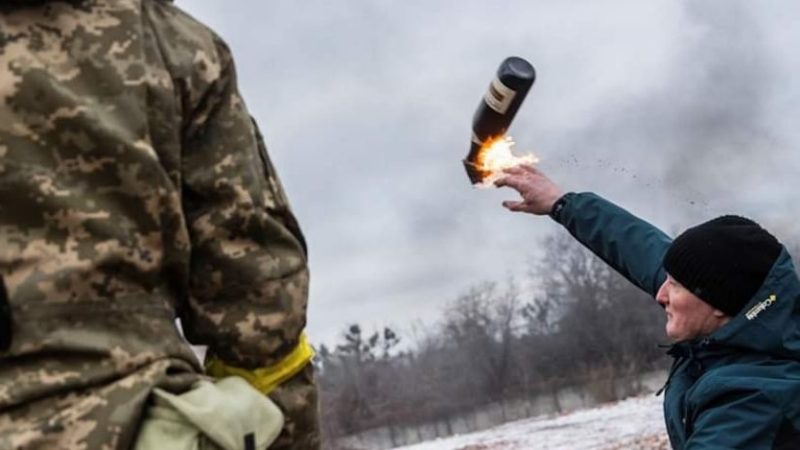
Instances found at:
x=687 y=315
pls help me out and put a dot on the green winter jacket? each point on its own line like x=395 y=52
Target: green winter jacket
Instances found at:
x=738 y=388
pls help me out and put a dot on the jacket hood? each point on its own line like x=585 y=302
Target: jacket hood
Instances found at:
x=770 y=322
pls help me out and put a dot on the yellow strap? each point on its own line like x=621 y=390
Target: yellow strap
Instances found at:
x=266 y=379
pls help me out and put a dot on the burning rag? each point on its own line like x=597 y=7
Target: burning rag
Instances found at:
x=226 y=415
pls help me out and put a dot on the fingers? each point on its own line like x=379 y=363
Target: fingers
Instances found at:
x=514 y=205
x=522 y=168
x=514 y=182
x=521 y=206
x=513 y=177
x=536 y=189
x=501 y=182
x=515 y=170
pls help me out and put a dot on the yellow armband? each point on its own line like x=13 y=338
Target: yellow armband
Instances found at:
x=266 y=379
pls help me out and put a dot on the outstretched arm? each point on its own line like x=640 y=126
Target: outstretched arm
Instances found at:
x=633 y=247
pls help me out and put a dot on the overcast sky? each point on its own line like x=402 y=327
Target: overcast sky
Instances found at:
x=678 y=110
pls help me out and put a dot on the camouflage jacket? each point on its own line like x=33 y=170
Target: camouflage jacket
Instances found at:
x=134 y=189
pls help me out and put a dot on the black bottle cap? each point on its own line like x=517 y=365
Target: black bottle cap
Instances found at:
x=516 y=73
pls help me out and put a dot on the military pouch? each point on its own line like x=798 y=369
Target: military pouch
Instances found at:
x=226 y=415
x=5 y=318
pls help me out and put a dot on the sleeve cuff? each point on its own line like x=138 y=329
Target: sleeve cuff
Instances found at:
x=559 y=205
x=266 y=379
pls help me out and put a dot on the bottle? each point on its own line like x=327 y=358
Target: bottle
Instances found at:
x=497 y=109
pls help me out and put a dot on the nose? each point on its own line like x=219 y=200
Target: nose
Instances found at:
x=662 y=296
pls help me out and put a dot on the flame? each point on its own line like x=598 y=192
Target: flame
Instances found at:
x=496 y=155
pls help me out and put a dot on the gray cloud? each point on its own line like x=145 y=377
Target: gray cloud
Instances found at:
x=678 y=110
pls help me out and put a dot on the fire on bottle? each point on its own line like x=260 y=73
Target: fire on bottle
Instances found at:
x=490 y=150
x=492 y=157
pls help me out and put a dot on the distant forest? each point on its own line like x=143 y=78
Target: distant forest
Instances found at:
x=580 y=322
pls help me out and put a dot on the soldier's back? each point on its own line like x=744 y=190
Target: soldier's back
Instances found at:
x=94 y=246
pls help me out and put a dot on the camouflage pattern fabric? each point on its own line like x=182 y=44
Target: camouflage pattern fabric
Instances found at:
x=134 y=189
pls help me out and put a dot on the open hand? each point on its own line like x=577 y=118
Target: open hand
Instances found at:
x=538 y=192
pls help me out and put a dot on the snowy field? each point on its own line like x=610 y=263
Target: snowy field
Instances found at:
x=635 y=423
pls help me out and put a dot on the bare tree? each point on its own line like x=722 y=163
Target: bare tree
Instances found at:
x=581 y=322
x=598 y=319
x=481 y=322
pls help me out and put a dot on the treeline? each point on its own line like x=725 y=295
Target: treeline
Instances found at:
x=575 y=321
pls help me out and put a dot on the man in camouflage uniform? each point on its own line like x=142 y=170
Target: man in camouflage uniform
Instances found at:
x=134 y=189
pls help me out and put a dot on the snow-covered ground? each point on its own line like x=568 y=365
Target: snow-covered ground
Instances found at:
x=636 y=424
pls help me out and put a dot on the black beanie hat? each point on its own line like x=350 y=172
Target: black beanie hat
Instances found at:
x=723 y=261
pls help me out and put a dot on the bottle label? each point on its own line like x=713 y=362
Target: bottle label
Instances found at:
x=499 y=96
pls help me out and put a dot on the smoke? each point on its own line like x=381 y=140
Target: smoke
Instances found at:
x=677 y=110
x=717 y=123
x=699 y=141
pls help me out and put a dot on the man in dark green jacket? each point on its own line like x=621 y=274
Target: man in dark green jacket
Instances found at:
x=732 y=299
